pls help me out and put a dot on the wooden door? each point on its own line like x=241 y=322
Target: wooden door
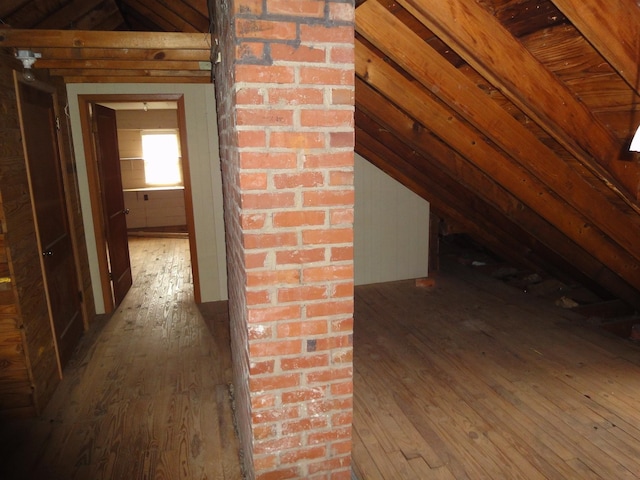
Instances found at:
x=39 y=131
x=106 y=141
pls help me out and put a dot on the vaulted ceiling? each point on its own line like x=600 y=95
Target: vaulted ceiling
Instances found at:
x=512 y=117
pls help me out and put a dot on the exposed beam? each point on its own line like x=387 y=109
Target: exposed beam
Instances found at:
x=498 y=56
x=116 y=65
x=128 y=79
x=377 y=24
x=91 y=39
x=139 y=54
x=415 y=101
x=613 y=28
x=563 y=255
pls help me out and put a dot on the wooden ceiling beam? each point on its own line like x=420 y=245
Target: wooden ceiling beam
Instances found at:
x=613 y=28
x=98 y=72
x=498 y=56
x=161 y=15
x=68 y=14
x=134 y=79
x=35 y=39
x=377 y=25
x=416 y=102
x=557 y=253
x=125 y=54
x=123 y=64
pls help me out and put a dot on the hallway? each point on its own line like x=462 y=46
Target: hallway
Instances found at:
x=146 y=394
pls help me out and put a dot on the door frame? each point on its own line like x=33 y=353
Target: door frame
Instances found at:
x=85 y=103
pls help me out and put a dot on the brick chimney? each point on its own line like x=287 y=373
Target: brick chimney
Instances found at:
x=285 y=94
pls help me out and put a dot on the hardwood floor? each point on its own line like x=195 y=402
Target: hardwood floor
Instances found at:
x=476 y=380
x=146 y=394
x=471 y=379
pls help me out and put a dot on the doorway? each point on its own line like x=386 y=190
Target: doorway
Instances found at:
x=87 y=105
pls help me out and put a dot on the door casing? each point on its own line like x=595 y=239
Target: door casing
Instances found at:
x=85 y=103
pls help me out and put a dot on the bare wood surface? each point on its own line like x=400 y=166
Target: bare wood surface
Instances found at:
x=475 y=379
x=146 y=394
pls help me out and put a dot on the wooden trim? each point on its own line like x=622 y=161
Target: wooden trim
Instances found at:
x=84 y=102
x=188 y=200
x=97 y=211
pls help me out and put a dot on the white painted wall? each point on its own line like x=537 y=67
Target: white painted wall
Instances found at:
x=391 y=238
x=206 y=180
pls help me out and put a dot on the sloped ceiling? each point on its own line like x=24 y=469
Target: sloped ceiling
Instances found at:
x=512 y=117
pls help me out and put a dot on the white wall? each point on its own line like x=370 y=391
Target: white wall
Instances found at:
x=206 y=181
x=391 y=239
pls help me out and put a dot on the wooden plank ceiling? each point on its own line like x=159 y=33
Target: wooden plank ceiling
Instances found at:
x=512 y=117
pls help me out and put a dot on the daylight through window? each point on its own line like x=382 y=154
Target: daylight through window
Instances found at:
x=161 y=158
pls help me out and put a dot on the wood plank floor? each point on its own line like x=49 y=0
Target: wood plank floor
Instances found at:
x=474 y=379
x=471 y=379
x=146 y=394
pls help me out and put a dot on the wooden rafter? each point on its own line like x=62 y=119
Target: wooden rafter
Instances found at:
x=489 y=47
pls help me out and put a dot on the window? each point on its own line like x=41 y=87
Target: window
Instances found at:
x=161 y=154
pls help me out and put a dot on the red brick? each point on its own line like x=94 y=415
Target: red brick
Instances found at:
x=302 y=179
x=252 y=138
x=273 y=382
x=274 y=314
x=341 y=254
x=277 y=277
x=298 y=218
x=270 y=240
x=330 y=374
x=319 y=33
x=342 y=96
x=325 y=160
x=297 y=140
x=301 y=293
x=328 y=198
x=303 y=328
x=341 y=139
x=281 y=474
x=263 y=401
x=288 y=53
x=303 y=395
x=341 y=177
x=248 y=6
x=268 y=200
x=265 y=74
x=275 y=348
x=259 y=297
x=324 y=309
x=342 y=418
x=265 y=462
x=343 y=325
x=328 y=273
x=264 y=117
x=326 y=118
x=264 y=160
x=259 y=332
x=326 y=76
x=298 y=256
x=261 y=368
x=333 y=465
x=342 y=55
x=309 y=453
x=253 y=181
x=341 y=448
x=296 y=96
x=277 y=445
x=265 y=29
x=341 y=290
x=303 y=8
x=250 y=50
x=304 y=425
x=344 y=388
x=342 y=356
x=329 y=436
x=343 y=12
x=327 y=236
x=253 y=221
x=276 y=414
x=330 y=343
x=249 y=96
x=305 y=362
x=255 y=260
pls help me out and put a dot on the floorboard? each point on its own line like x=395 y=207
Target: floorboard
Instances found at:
x=146 y=395
x=476 y=379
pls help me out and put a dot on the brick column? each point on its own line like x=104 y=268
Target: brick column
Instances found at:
x=285 y=93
